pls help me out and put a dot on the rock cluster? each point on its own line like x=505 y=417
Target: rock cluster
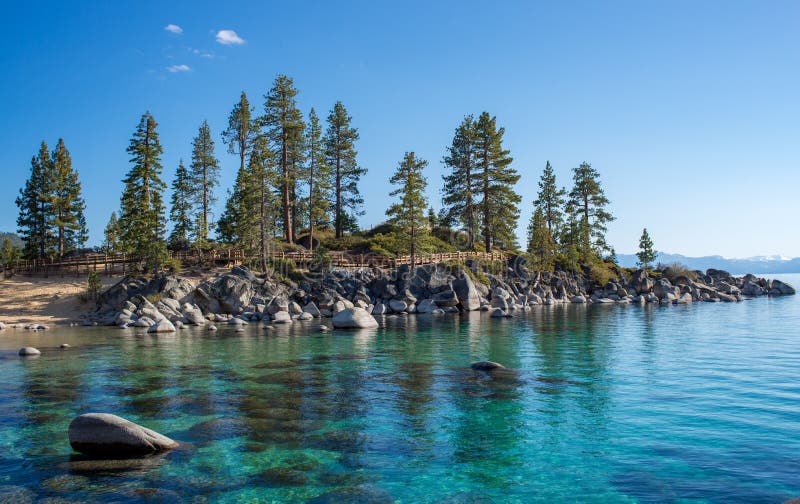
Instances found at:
x=354 y=298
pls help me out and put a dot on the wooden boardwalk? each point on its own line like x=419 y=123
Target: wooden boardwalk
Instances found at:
x=120 y=264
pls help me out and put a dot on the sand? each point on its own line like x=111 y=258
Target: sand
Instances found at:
x=54 y=300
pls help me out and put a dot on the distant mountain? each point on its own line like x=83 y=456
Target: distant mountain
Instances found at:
x=15 y=239
x=755 y=265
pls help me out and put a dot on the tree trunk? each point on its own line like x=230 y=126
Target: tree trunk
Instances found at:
x=311 y=204
x=339 y=230
x=487 y=236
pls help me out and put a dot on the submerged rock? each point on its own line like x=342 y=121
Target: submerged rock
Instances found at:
x=109 y=435
x=354 y=318
x=29 y=351
x=486 y=366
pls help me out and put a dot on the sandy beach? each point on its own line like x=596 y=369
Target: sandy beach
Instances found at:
x=54 y=300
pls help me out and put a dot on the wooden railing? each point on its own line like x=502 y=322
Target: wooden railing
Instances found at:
x=112 y=264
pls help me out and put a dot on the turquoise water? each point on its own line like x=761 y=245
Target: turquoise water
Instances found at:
x=603 y=404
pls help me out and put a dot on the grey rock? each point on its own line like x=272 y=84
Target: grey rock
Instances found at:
x=397 y=305
x=466 y=291
x=282 y=317
x=162 y=326
x=486 y=366
x=28 y=352
x=426 y=306
x=354 y=318
x=109 y=435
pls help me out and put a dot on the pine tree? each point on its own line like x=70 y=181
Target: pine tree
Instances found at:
x=35 y=207
x=112 y=235
x=241 y=131
x=239 y=221
x=587 y=203
x=550 y=199
x=340 y=153
x=142 y=205
x=319 y=187
x=258 y=196
x=461 y=184
x=66 y=203
x=9 y=253
x=541 y=245
x=180 y=212
x=284 y=130
x=408 y=214
x=202 y=179
x=646 y=254
x=496 y=181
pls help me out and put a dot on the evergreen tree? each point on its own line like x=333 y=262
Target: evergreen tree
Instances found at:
x=241 y=131
x=142 y=206
x=550 y=199
x=340 y=154
x=284 y=130
x=646 y=254
x=239 y=220
x=203 y=178
x=35 y=207
x=587 y=203
x=260 y=197
x=9 y=253
x=319 y=187
x=408 y=214
x=496 y=181
x=541 y=245
x=66 y=202
x=180 y=212
x=461 y=184
x=112 y=235
x=569 y=241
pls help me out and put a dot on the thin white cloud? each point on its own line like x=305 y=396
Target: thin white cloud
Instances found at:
x=229 y=37
x=173 y=28
x=178 y=68
x=202 y=54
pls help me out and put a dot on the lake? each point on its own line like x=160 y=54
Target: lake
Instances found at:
x=697 y=403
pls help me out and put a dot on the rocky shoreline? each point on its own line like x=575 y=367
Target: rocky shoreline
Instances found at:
x=353 y=298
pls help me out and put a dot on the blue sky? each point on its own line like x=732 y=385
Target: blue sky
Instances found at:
x=689 y=110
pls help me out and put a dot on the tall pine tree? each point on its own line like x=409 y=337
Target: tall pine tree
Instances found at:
x=550 y=199
x=340 y=154
x=180 y=213
x=541 y=245
x=142 y=205
x=496 y=179
x=202 y=179
x=35 y=207
x=284 y=130
x=241 y=131
x=587 y=203
x=460 y=195
x=409 y=213
x=67 y=204
x=318 y=176
x=112 y=234
x=647 y=254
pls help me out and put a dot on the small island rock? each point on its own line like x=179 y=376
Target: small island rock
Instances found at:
x=109 y=435
x=29 y=351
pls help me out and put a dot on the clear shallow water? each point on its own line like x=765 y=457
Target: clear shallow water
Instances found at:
x=604 y=404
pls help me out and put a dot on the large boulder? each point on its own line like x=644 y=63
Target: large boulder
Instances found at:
x=782 y=288
x=446 y=298
x=282 y=317
x=354 y=318
x=28 y=352
x=468 y=294
x=108 y=435
x=426 y=306
x=162 y=326
x=397 y=305
x=312 y=309
x=641 y=282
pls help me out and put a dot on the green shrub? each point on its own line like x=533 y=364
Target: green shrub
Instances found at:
x=675 y=270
